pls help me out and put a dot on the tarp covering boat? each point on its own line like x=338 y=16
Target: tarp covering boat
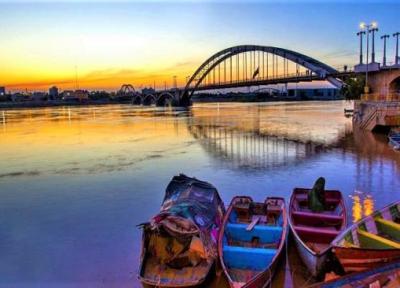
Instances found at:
x=180 y=243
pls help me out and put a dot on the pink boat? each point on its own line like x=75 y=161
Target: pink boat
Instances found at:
x=314 y=231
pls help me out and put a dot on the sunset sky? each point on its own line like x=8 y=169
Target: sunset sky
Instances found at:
x=108 y=44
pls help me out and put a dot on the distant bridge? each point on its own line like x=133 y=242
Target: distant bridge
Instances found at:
x=245 y=66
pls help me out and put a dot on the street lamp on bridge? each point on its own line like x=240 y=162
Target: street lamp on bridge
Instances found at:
x=396 y=61
x=369 y=28
x=361 y=33
x=384 y=37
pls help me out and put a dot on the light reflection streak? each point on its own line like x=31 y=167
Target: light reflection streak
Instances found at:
x=363 y=205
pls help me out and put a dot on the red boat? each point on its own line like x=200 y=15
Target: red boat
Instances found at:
x=314 y=231
x=252 y=240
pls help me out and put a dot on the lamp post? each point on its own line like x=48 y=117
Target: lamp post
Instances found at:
x=368 y=28
x=373 y=30
x=384 y=37
x=397 y=47
x=361 y=33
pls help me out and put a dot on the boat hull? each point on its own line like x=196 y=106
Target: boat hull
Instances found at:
x=357 y=259
x=306 y=227
x=386 y=275
x=315 y=262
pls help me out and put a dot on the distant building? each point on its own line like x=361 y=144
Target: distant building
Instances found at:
x=19 y=97
x=315 y=93
x=82 y=95
x=2 y=90
x=53 y=93
x=147 y=91
x=77 y=95
x=39 y=96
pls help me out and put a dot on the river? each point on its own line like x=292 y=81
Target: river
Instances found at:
x=75 y=181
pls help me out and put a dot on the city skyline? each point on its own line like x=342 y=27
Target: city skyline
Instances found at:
x=107 y=44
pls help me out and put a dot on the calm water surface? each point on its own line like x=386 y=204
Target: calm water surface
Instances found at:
x=74 y=182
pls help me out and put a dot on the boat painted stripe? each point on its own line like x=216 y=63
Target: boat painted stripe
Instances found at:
x=361 y=261
x=378 y=240
x=389 y=228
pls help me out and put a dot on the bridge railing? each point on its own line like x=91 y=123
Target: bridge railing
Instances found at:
x=381 y=97
x=300 y=75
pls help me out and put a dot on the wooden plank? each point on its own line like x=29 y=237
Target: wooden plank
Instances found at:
x=369 y=240
x=253 y=223
x=389 y=227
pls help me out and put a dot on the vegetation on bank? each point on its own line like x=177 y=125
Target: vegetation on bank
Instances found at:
x=353 y=87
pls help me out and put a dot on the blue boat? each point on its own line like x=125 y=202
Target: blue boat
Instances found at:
x=394 y=139
x=251 y=241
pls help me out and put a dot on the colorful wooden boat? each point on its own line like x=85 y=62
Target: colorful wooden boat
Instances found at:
x=251 y=241
x=385 y=275
x=370 y=242
x=179 y=245
x=313 y=232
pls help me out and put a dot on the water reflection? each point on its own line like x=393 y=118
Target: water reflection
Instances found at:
x=363 y=205
x=75 y=180
x=250 y=150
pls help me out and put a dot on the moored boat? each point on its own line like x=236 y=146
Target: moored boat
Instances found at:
x=313 y=232
x=385 y=275
x=394 y=139
x=370 y=242
x=179 y=245
x=252 y=240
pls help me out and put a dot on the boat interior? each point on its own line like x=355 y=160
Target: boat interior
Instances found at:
x=173 y=262
x=252 y=236
x=317 y=229
x=378 y=231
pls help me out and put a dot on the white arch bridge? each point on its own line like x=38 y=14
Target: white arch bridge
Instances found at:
x=244 y=66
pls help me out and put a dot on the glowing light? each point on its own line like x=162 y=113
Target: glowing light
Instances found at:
x=374 y=24
x=357 y=209
x=368 y=205
x=362 y=25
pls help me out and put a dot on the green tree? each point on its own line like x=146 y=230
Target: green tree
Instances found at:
x=353 y=87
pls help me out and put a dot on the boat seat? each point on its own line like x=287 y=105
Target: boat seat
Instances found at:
x=373 y=241
x=328 y=200
x=315 y=218
x=248 y=258
x=266 y=234
x=316 y=234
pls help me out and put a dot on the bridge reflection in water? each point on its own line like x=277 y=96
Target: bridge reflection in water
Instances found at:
x=250 y=150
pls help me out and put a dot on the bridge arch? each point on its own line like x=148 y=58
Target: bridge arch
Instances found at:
x=137 y=99
x=394 y=85
x=317 y=67
x=127 y=89
x=165 y=99
x=149 y=99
